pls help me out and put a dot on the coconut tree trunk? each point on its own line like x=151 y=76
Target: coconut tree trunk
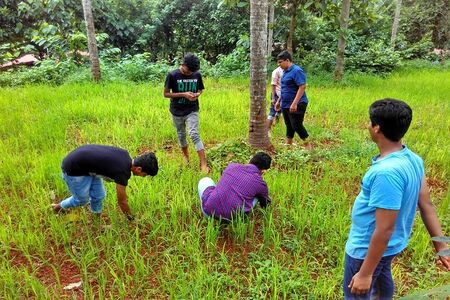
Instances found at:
x=258 y=135
x=345 y=13
x=270 y=28
x=92 y=43
x=292 y=26
x=395 y=23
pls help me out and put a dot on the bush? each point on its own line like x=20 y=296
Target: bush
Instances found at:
x=138 y=68
x=325 y=60
x=375 y=58
x=135 y=68
x=47 y=71
x=235 y=63
x=421 y=49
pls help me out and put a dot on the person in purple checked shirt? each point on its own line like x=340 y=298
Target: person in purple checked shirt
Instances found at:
x=238 y=190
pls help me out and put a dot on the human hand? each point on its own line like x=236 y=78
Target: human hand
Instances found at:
x=190 y=96
x=277 y=105
x=272 y=100
x=293 y=107
x=360 y=285
x=445 y=261
x=443 y=253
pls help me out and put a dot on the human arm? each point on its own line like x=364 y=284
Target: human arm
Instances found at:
x=274 y=94
x=122 y=201
x=431 y=221
x=263 y=194
x=188 y=95
x=384 y=226
x=196 y=95
x=298 y=96
x=263 y=202
x=277 y=104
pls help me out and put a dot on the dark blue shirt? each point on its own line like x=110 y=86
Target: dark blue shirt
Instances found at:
x=106 y=161
x=290 y=82
x=178 y=83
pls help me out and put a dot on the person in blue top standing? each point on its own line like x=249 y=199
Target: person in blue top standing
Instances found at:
x=293 y=100
x=384 y=210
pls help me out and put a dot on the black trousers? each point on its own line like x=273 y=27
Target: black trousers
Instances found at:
x=294 y=121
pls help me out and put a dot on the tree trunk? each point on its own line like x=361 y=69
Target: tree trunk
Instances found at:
x=395 y=23
x=345 y=13
x=258 y=134
x=92 y=43
x=292 y=27
x=271 y=24
x=440 y=35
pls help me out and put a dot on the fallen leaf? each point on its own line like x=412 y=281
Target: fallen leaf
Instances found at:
x=72 y=286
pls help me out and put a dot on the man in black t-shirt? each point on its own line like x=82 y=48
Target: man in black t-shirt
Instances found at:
x=183 y=86
x=84 y=168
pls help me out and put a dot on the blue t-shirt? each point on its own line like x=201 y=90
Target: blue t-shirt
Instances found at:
x=291 y=80
x=392 y=182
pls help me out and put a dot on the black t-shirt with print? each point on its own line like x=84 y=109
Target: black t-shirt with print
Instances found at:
x=89 y=160
x=178 y=83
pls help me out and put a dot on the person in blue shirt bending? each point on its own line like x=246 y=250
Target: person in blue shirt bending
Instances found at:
x=384 y=210
x=293 y=100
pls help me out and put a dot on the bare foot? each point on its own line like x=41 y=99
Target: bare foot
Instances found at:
x=307 y=146
x=56 y=207
x=205 y=169
x=185 y=160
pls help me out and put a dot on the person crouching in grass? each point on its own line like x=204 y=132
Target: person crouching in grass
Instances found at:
x=384 y=211
x=239 y=189
x=84 y=168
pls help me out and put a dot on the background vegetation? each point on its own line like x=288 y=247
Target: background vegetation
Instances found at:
x=139 y=38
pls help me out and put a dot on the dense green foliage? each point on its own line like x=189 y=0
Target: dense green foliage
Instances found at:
x=164 y=30
x=294 y=250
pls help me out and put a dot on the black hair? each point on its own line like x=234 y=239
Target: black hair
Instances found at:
x=284 y=55
x=191 y=62
x=261 y=160
x=147 y=162
x=393 y=116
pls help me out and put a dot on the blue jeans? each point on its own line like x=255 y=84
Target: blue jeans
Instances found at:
x=382 y=287
x=84 y=189
x=273 y=113
x=205 y=183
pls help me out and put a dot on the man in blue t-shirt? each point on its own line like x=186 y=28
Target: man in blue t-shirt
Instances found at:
x=293 y=100
x=384 y=210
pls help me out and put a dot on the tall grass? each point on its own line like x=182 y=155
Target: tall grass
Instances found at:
x=294 y=249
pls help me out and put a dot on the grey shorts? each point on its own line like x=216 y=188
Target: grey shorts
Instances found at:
x=191 y=122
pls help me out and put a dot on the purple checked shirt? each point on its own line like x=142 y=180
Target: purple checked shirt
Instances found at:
x=237 y=188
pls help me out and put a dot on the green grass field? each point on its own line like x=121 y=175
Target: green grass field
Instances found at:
x=293 y=250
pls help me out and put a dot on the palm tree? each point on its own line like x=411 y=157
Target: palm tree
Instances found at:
x=258 y=135
x=293 y=7
x=345 y=13
x=271 y=23
x=396 y=21
x=92 y=43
